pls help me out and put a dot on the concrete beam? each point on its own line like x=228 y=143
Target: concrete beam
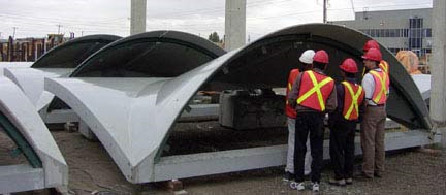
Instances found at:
x=182 y=166
x=20 y=178
x=235 y=24
x=138 y=16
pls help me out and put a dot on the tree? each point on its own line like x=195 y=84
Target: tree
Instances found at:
x=214 y=37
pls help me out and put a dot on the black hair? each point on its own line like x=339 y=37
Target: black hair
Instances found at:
x=305 y=67
x=350 y=75
x=319 y=65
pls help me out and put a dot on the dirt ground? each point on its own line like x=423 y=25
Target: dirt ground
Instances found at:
x=91 y=170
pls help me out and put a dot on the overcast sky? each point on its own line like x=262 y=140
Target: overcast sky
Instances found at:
x=36 y=18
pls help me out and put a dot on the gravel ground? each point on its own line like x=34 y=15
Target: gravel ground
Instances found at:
x=92 y=170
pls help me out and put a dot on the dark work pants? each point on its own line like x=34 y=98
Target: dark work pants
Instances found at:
x=312 y=123
x=342 y=148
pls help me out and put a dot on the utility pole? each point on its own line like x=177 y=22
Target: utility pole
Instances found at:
x=438 y=97
x=324 y=11
x=138 y=16
x=235 y=24
x=58 y=28
x=13 y=31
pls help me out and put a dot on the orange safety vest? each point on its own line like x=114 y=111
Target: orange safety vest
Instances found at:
x=290 y=111
x=353 y=96
x=314 y=90
x=381 y=86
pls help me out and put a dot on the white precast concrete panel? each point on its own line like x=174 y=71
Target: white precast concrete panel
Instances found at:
x=131 y=116
x=423 y=83
x=31 y=81
x=22 y=114
x=14 y=64
x=109 y=106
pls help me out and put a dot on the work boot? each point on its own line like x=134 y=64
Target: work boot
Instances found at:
x=349 y=181
x=336 y=182
x=297 y=186
x=288 y=176
x=315 y=187
x=342 y=182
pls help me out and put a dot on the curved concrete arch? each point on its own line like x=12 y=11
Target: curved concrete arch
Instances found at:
x=154 y=54
x=122 y=127
x=73 y=52
x=132 y=116
x=149 y=54
x=59 y=61
x=270 y=57
x=20 y=113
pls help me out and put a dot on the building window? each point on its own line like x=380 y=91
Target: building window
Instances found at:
x=405 y=32
x=428 y=32
x=416 y=23
x=373 y=32
x=415 y=33
x=415 y=42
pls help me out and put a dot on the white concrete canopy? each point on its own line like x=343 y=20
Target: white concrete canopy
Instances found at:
x=14 y=64
x=20 y=112
x=132 y=116
x=423 y=83
x=30 y=80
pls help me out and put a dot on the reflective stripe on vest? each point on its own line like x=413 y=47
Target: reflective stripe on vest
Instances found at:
x=351 y=101
x=317 y=86
x=384 y=66
x=289 y=89
x=379 y=95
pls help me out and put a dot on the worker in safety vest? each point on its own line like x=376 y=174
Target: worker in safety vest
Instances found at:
x=376 y=88
x=291 y=120
x=342 y=123
x=312 y=95
x=374 y=44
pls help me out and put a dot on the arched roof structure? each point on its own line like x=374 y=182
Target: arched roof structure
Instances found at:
x=73 y=52
x=132 y=116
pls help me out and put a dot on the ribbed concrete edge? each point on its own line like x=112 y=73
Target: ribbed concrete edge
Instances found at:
x=22 y=114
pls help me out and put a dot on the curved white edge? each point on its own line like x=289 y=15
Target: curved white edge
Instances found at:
x=423 y=83
x=132 y=116
x=20 y=112
x=31 y=81
x=14 y=64
x=106 y=106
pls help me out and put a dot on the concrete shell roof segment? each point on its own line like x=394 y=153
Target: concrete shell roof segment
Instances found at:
x=265 y=63
x=154 y=54
x=60 y=61
x=132 y=116
x=17 y=108
x=124 y=113
x=73 y=52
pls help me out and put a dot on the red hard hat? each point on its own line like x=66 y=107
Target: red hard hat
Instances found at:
x=349 y=65
x=370 y=44
x=374 y=54
x=321 y=56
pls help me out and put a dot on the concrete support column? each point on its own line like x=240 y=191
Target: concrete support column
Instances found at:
x=438 y=95
x=235 y=24
x=138 y=16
